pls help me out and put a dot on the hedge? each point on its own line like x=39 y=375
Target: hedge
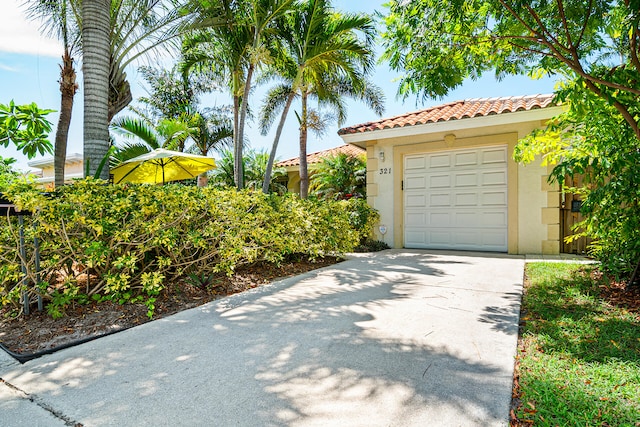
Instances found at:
x=127 y=242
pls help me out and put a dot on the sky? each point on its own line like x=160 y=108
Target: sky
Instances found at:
x=29 y=72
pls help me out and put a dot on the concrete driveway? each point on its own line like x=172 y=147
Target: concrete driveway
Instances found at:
x=396 y=338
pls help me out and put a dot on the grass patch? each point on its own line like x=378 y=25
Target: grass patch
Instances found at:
x=579 y=357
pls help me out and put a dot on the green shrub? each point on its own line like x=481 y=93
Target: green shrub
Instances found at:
x=362 y=217
x=125 y=242
x=371 y=245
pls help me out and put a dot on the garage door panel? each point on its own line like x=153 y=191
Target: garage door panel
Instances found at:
x=439 y=220
x=495 y=238
x=466 y=199
x=415 y=162
x=416 y=239
x=463 y=202
x=440 y=200
x=415 y=183
x=494 y=156
x=439 y=181
x=466 y=179
x=466 y=159
x=493 y=219
x=416 y=219
x=440 y=161
x=493 y=198
x=494 y=178
x=416 y=201
x=465 y=219
x=441 y=237
x=468 y=239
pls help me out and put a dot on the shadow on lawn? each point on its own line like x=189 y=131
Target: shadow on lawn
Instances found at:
x=571 y=319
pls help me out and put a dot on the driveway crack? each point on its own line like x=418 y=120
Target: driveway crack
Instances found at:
x=42 y=404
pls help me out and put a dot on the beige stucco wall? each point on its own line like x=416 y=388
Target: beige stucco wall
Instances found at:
x=533 y=222
x=69 y=169
x=73 y=169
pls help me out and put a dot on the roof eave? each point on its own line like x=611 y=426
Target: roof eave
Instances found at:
x=359 y=138
x=48 y=161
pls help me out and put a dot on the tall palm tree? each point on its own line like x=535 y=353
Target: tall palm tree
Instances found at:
x=126 y=30
x=236 y=41
x=95 y=66
x=138 y=28
x=321 y=56
x=59 y=19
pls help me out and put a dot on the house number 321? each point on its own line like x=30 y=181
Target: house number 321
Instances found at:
x=385 y=171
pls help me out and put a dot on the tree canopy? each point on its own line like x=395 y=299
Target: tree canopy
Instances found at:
x=438 y=44
x=26 y=127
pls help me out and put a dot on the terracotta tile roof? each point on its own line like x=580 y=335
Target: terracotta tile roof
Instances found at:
x=317 y=157
x=469 y=108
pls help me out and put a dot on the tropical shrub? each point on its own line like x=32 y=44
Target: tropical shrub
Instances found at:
x=254 y=168
x=592 y=140
x=7 y=173
x=340 y=176
x=126 y=242
x=362 y=217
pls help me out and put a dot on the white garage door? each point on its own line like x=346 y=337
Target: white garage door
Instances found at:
x=456 y=200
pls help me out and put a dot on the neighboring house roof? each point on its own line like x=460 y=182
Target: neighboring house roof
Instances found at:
x=47 y=162
x=458 y=110
x=317 y=157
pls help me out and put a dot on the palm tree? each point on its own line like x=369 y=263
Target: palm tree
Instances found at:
x=95 y=67
x=254 y=164
x=340 y=177
x=207 y=132
x=235 y=41
x=60 y=18
x=126 y=30
x=138 y=28
x=321 y=56
x=143 y=136
x=213 y=132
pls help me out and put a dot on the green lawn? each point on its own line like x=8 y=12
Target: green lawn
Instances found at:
x=579 y=356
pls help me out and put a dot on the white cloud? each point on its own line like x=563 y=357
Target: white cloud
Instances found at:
x=18 y=35
x=9 y=68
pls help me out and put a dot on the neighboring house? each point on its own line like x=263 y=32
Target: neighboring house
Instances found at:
x=445 y=178
x=292 y=166
x=46 y=176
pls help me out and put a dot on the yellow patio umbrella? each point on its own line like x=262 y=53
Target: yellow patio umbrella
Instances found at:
x=160 y=166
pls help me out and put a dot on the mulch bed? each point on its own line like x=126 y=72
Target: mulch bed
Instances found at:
x=38 y=332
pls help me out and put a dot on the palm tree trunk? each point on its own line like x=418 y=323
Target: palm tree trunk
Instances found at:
x=304 y=173
x=68 y=88
x=238 y=172
x=95 y=66
x=274 y=148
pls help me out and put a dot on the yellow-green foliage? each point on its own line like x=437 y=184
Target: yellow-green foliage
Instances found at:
x=134 y=239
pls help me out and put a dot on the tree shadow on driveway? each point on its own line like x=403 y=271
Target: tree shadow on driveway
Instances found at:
x=386 y=340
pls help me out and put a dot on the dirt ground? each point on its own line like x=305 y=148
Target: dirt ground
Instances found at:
x=39 y=332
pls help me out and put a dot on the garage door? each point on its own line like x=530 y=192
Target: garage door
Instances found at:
x=456 y=200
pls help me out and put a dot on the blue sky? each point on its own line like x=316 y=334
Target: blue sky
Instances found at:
x=29 y=70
